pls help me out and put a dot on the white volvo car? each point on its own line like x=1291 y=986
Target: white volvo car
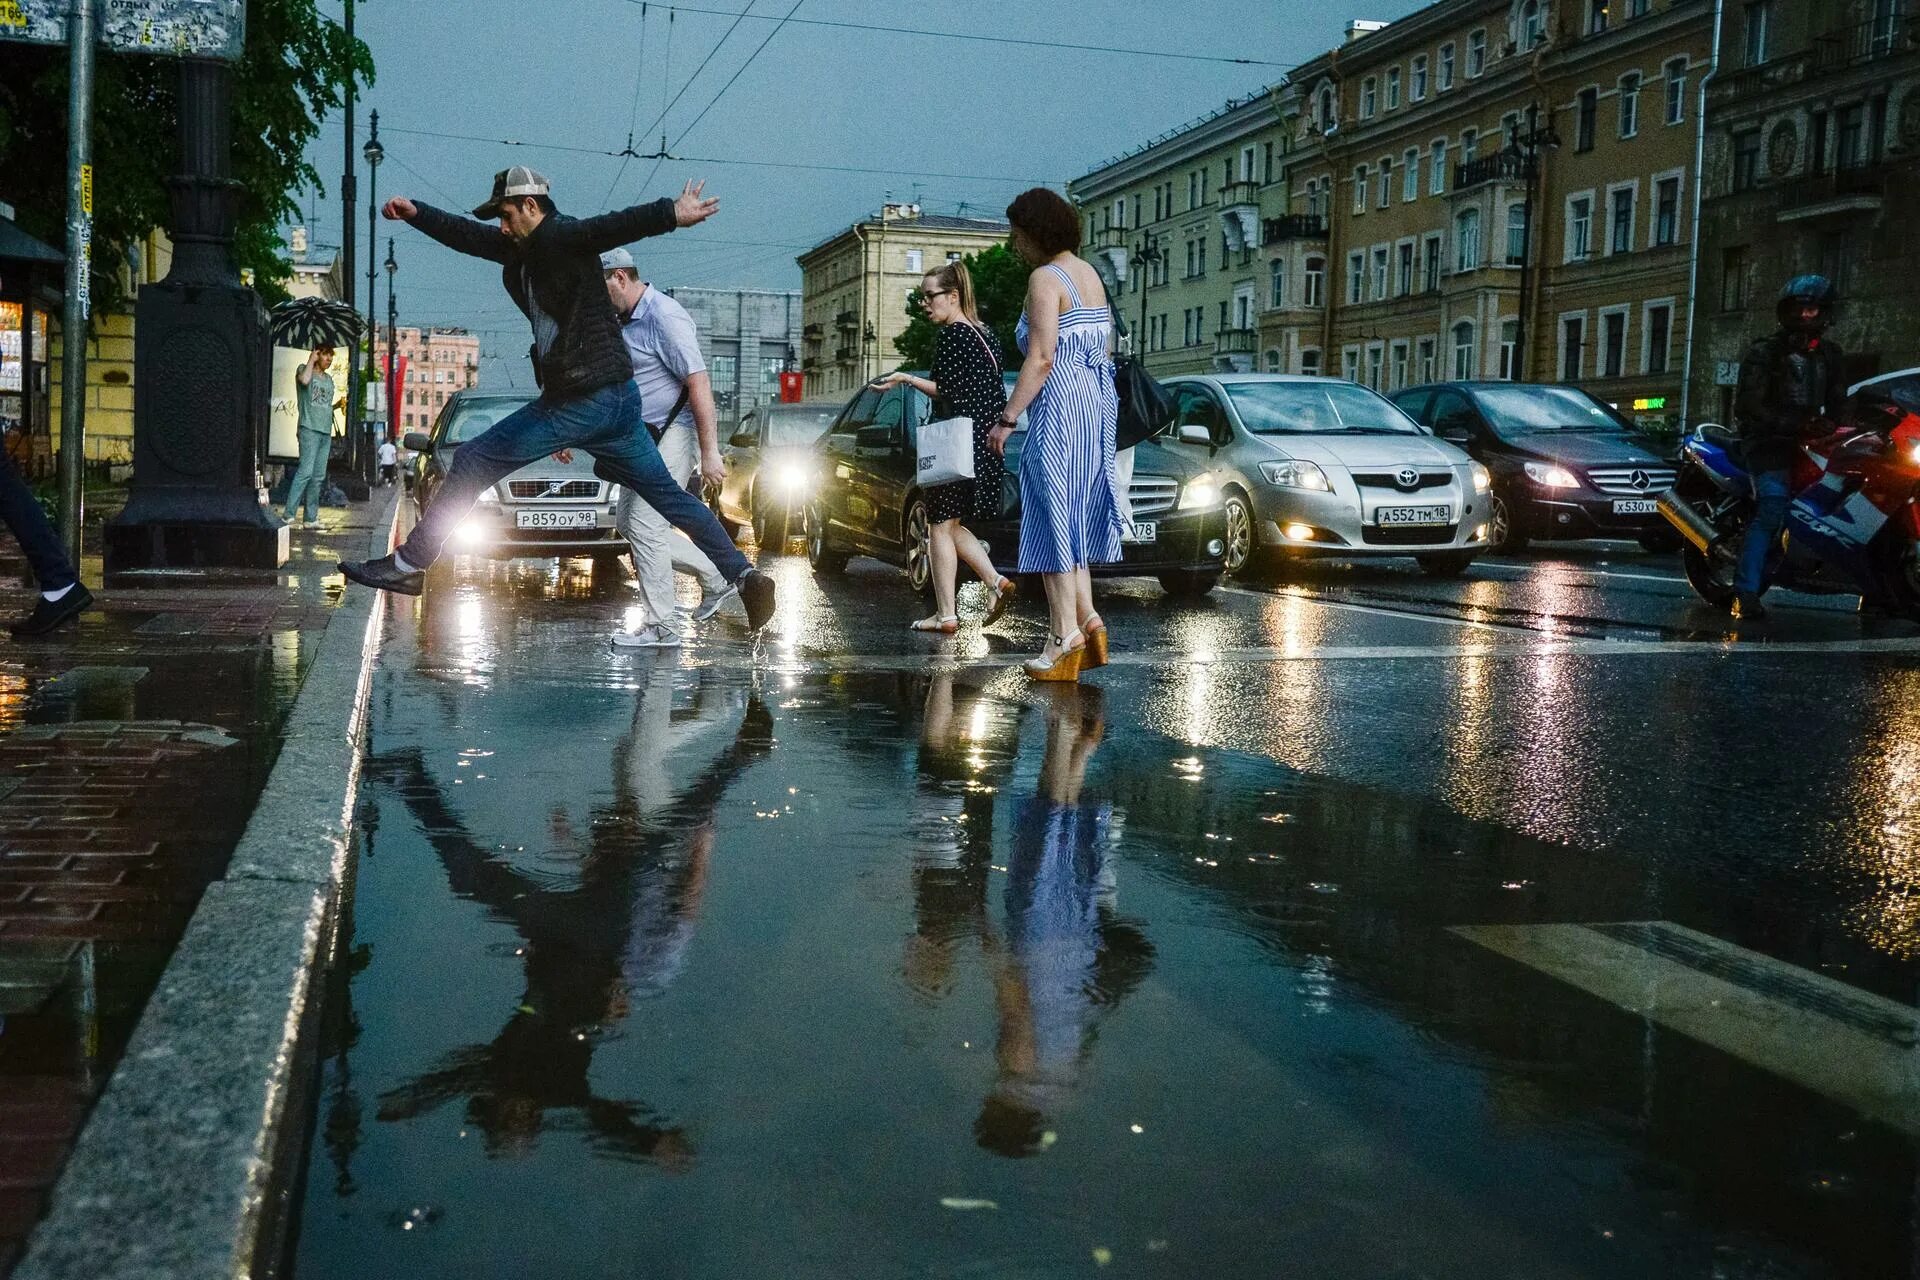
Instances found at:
x=1323 y=466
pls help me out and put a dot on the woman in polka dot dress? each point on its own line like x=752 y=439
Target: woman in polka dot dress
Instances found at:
x=965 y=382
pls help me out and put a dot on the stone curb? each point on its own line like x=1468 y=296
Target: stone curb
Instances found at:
x=187 y=1164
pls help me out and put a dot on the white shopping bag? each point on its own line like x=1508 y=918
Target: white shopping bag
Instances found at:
x=946 y=452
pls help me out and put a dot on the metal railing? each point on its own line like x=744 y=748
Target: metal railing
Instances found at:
x=1501 y=166
x=1236 y=341
x=847 y=321
x=1835 y=184
x=1239 y=193
x=1293 y=226
x=1863 y=42
x=814 y=332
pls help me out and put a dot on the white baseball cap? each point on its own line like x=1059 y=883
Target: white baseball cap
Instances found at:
x=616 y=259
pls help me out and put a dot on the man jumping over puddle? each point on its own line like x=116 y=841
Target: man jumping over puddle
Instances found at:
x=588 y=399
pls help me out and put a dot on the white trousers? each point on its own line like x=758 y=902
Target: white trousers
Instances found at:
x=659 y=548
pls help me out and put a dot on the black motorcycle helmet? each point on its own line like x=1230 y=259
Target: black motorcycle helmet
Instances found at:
x=1807 y=291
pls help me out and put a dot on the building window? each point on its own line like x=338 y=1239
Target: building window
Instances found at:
x=1746 y=159
x=1666 y=211
x=1466 y=240
x=1676 y=90
x=1597 y=16
x=1327 y=119
x=1510 y=126
x=1817 y=143
x=1659 y=337
x=1516 y=234
x=1273 y=360
x=1417 y=85
x=1397 y=370
x=1469 y=143
x=1620 y=219
x=1313 y=286
x=1586 y=112
x=1369 y=97
x=1533 y=24
x=1393 y=88
x=1446 y=66
x=1427 y=360
x=1630 y=104
x=1759 y=30
x=1463 y=361
x=1310 y=363
x=1432 y=251
x=1266 y=167
x=1410 y=177
x=1638 y=8
x=914 y=255
x=1573 y=346
x=1437 y=179
x=1193 y=191
x=1380 y=289
x=1356 y=278
x=1851 y=137
x=1509 y=347
x=1277 y=283
x=1375 y=357
x=1405 y=282
x=1386 y=181
x=1350 y=363
x=1613 y=344
x=1476 y=54
x=1360 y=189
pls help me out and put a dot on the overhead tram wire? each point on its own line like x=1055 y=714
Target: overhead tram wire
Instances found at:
x=982 y=39
x=741 y=69
x=738 y=17
x=633 y=115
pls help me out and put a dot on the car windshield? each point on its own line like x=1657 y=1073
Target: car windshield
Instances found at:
x=470 y=419
x=1545 y=409
x=801 y=426
x=1312 y=408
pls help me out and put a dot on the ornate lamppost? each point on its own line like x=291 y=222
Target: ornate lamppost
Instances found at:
x=393 y=349
x=358 y=444
x=1525 y=152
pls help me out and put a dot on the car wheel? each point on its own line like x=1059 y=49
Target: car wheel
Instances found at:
x=919 y=546
x=823 y=554
x=1239 y=532
x=1503 y=533
x=1445 y=564
x=1661 y=542
x=1189 y=584
x=770 y=527
x=731 y=526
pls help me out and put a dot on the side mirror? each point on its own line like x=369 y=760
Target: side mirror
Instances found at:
x=1453 y=428
x=876 y=438
x=743 y=440
x=1194 y=433
x=418 y=441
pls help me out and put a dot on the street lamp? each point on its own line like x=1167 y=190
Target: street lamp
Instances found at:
x=1148 y=254
x=1525 y=151
x=393 y=350
x=374 y=154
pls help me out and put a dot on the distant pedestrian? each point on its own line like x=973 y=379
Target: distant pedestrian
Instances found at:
x=965 y=382
x=588 y=400
x=676 y=403
x=389 y=461
x=315 y=396
x=62 y=595
x=1069 y=497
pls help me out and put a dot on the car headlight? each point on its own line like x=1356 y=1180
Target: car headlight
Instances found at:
x=1913 y=451
x=1296 y=475
x=489 y=494
x=792 y=478
x=1552 y=477
x=1482 y=478
x=1197 y=495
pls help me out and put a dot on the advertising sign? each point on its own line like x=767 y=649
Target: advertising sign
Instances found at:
x=283 y=406
x=200 y=28
x=792 y=387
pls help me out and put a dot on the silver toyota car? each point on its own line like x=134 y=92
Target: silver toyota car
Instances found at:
x=1322 y=466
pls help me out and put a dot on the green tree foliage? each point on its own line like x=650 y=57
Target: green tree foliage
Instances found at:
x=1000 y=290
x=294 y=72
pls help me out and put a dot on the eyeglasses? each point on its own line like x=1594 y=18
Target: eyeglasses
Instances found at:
x=937 y=293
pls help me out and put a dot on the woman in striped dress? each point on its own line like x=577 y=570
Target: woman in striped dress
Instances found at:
x=1069 y=501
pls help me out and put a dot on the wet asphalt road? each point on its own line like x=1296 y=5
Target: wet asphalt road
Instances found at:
x=1262 y=953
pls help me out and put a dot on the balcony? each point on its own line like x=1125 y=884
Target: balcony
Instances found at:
x=1110 y=246
x=1229 y=342
x=1293 y=226
x=1235 y=194
x=814 y=332
x=812 y=364
x=1240 y=214
x=845 y=355
x=1501 y=166
x=1887 y=37
x=847 y=321
x=1837 y=193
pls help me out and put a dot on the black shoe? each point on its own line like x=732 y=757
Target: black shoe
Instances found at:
x=48 y=614
x=384 y=575
x=1747 y=608
x=756 y=592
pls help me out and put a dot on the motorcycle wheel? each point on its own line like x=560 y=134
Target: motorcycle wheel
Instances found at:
x=1711 y=580
x=1902 y=577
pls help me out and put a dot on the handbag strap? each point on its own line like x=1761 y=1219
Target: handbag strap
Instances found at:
x=985 y=346
x=673 y=415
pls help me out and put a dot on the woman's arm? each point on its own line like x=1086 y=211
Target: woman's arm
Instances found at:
x=927 y=385
x=1043 y=339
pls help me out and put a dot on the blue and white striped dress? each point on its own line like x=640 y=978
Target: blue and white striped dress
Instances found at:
x=1069 y=508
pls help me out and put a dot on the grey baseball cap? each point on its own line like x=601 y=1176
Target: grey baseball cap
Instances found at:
x=508 y=183
x=615 y=260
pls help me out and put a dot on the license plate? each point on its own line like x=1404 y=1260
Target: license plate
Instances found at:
x=553 y=519
x=1635 y=506
x=1146 y=531
x=1414 y=515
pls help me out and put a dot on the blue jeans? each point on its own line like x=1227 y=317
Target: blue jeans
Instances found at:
x=605 y=423
x=33 y=531
x=310 y=477
x=1772 y=494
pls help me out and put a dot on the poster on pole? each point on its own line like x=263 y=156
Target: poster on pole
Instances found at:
x=181 y=28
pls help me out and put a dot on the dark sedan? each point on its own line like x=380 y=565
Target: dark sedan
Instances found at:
x=770 y=468
x=1564 y=464
x=867 y=503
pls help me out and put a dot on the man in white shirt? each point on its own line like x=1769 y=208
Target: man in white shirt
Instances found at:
x=676 y=402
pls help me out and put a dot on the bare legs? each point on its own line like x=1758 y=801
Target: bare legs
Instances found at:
x=950 y=543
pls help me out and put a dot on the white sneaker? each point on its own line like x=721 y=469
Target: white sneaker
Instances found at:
x=651 y=636
x=710 y=605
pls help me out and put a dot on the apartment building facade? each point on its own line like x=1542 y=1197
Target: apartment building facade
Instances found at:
x=1813 y=147
x=855 y=284
x=1505 y=189
x=435 y=363
x=1190 y=234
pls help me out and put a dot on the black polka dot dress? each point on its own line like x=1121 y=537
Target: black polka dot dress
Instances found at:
x=966 y=368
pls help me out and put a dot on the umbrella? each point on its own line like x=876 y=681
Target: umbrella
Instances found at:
x=307 y=323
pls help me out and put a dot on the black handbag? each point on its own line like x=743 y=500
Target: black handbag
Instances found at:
x=1146 y=407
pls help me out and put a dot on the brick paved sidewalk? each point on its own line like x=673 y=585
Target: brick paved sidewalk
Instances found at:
x=132 y=749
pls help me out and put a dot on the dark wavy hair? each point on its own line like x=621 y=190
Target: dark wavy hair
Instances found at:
x=1047 y=220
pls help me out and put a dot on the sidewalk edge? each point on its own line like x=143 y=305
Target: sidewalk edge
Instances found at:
x=182 y=1169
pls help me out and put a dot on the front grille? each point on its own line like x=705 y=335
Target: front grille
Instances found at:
x=1151 y=495
x=1414 y=535
x=557 y=535
x=564 y=490
x=1620 y=482
x=1388 y=480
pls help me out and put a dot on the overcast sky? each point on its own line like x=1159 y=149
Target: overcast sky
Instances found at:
x=991 y=118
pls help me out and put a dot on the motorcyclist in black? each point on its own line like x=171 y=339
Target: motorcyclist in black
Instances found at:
x=1788 y=379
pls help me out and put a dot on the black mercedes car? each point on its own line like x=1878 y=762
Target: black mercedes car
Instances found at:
x=865 y=502
x=1564 y=464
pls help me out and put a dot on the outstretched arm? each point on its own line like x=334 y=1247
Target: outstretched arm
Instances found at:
x=463 y=235
x=623 y=226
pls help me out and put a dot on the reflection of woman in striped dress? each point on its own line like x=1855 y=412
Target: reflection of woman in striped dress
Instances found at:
x=1069 y=505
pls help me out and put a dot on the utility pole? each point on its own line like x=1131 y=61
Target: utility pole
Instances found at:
x=349 y=207
x=393 y=340
x=77 y=309
x=374 y=154
x=1527 y=148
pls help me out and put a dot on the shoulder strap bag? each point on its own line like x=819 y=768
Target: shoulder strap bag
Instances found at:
x=1146 y=407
